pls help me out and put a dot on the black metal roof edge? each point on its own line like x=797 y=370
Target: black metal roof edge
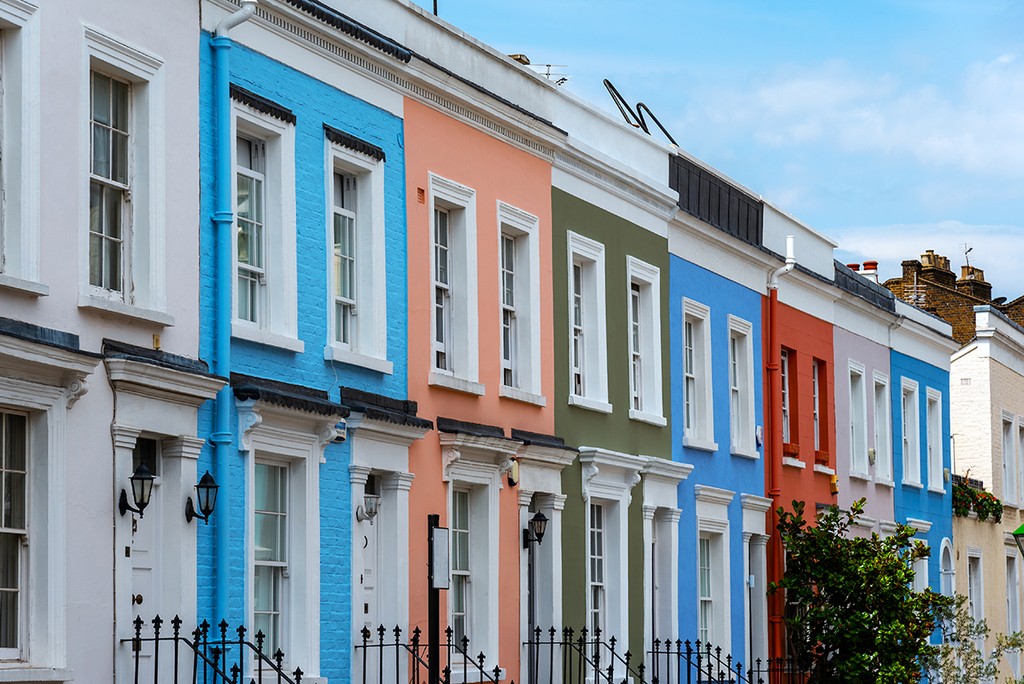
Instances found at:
x=852 y=282
x=490 y=93
x=155 y=357
x=353 y=28
x=380 y=407
x=49 y=337
x=286 y=395
x=261 y=104
x=467 y=428
x=353 y=143
x=540 y=439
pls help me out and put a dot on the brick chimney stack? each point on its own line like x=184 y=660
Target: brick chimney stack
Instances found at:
x=935 y=267
x=972 y=281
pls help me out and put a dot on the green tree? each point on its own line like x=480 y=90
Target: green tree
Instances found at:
x=852 y=614
x=961 y=658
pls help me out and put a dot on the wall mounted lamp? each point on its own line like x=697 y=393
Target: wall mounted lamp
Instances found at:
x=1018 y=536
x=206 y=495
x=534 y=532
x=369 y=508
x=142 y=489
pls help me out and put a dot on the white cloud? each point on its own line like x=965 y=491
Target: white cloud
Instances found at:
x=976 y=128
x=995 y=249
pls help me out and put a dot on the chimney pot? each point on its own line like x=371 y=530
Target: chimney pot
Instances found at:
x=853 y=267
x=870 y=265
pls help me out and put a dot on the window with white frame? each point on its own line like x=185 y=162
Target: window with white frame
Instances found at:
x=934 y=436
x=13 y=532
x=250 y=241
x=817 y=401
x=975 y=589
x=1010 y=474
x=460 y=565
x=357 y=310
x=598 y=590
x=784 y=373
x=588 y=367
x=698 y=411
x=706 y=609
x=20 y=124
x=1012 y=605
x=519 y=288
x=454 y=341
x=883 y=429
x=909 y=418
x=858 y=420
x=946 y=572
x=741 y=387
x=263 y=157
x=124 y=252
x=644 y=313
x=1020 y=452
x=270 y=552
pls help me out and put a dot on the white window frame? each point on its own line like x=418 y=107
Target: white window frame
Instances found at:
x=295 y=440
x=143 y=291
x=1020 y=458
x=474 y=464
x=279 y=327
x=1013 y=603
x=20 y=136
x=947 y=571
x=712 y=509
x=785 y=402
x=590 y=255
x=882 y=409
x=976 y=588
x=934 y=444
x=281 y=568
x=20 y=533
x=1011 y=474
x=742 y=421
x=859 y=462
x=463 y=371
x=523 y=228
x=646 y=278
x=910 y=432
x=816 y=402
x=369 y=344
x=701 y=431
x=58 y=380
x=597 y=583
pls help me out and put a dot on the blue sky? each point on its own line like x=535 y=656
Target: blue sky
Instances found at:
x=893 y=126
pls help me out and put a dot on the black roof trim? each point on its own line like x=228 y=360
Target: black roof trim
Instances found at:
x=353 y=143
x=353 y=28
x=123 y=350
x=850 y=281
x=542 y=440
x=387 y=409
x=286 y=395
x=47 y=336
x=490 y=93
x=261 y=104
x=467 y=428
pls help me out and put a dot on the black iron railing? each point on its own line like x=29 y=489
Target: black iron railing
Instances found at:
x=387 y=655
x=199 y=657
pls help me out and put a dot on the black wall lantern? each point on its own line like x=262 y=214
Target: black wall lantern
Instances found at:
x=206 y=494
x=538 y=525
x=142 y=489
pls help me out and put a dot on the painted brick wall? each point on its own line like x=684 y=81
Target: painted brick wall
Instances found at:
x=719 y=468
x=914 y=502
x=314 y=104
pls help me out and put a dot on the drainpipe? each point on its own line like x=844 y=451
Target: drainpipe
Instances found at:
x=776 y=554
x=223 y=222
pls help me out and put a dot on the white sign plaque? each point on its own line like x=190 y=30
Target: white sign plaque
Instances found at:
x=439 y=554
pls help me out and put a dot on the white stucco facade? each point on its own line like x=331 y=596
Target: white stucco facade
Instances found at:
x=86 y=404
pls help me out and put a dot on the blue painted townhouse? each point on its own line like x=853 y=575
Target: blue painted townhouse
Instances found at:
x=303 y=307
x=717 y=278
x=923 y=493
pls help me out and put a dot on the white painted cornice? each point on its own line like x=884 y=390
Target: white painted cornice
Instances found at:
x=383 y=430
x=158 y=381
x=713 y=495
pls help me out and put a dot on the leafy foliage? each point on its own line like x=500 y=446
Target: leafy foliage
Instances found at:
x=852 y=614
x=961 y=658
x=985 y=504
